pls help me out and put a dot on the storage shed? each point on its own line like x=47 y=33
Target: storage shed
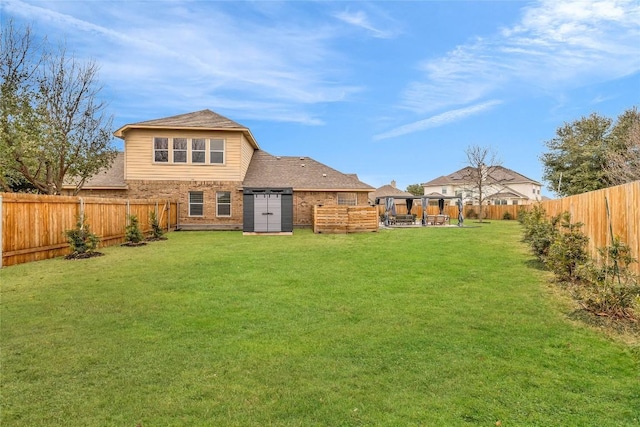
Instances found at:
x=268 y=210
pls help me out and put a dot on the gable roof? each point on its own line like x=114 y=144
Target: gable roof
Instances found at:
x=201 y=120
x=299 y=173
x=498 y=174
x=388 y=190
x=109 y=178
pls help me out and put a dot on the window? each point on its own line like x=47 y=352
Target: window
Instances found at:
x=349 y=199
x=198 y=150
x=223 y=203
x=216 y=151
x=196 y=203
x=161 y=150
x=514 y=202
x=444 y=190
x=179 y=150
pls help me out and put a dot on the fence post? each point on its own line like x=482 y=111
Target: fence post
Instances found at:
x=127 y=213
x=1 y=230
x=81 y=214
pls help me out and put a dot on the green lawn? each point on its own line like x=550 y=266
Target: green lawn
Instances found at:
x=405 y=327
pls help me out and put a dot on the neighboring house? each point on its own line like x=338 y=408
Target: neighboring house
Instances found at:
x=389 y=190
x=502 y=186
x=210 y=164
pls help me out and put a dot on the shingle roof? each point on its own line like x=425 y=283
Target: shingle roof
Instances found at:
x=204 y=119
x=388 y=190
x=499 y=174
x=299 y=173
x=109 y=178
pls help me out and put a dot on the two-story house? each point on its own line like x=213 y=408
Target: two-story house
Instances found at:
x=215 y=169
x=501 y=186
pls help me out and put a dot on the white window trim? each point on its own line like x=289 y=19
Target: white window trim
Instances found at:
x=223 y=151
x=190 y=204
x=218 y=205
x=207 y=151
x=154 y=150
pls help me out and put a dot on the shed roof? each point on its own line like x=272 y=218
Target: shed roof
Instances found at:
x=300 y=173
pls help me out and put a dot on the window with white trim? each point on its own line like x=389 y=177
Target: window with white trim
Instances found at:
x=179 y=150
x=348 y=199
x=216 y=151
x=161 y=150
x=223 y=203
x=196 y=203
x=198 y=150
x=444 y=190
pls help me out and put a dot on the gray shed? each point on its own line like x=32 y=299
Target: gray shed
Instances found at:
x=267 y=210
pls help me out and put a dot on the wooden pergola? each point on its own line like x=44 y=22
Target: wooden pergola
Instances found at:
x=424 y=200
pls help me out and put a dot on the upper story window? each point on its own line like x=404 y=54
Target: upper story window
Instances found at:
x=189 y=151
x=217 y=151
x=180 y=150
x=444 y=190
x=161 y=150
x=198 y=150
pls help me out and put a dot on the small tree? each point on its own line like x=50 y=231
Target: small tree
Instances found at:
x=133 y=235
x=156 y=231
x=568 y=252
x=81 y=240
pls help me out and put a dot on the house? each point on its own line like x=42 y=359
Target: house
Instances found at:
x=502 y=186
x=215 y=169
x=389 y=190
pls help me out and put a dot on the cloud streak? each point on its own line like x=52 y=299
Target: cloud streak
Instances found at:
x=555 y=45
x=438 y=120
x=360 y=19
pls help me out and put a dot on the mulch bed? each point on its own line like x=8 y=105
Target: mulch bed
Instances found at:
x=84 y=255
x=131 y=244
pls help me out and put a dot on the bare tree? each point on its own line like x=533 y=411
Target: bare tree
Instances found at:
x=480 y=177
x=55 y=130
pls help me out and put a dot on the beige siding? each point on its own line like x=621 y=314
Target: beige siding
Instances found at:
x=139 y=164
x=247 y=153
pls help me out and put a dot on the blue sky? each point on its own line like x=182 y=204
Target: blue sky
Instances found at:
x=389 y=90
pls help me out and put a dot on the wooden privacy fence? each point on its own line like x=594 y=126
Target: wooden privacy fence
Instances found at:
x=336 y=219
x=591 y=210
x=33 y=226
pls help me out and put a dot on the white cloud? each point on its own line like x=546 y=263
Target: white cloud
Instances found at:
x=196 y=53
x=438 y=120
x=360 y=19
x=556 y=44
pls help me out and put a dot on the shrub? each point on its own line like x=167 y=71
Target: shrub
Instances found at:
x=611 y=288
x=471 y=214
x=81 y=240
x=539 y=232
x=568 y=251
x=507 y=216
x=156 y=231
x=132 y=231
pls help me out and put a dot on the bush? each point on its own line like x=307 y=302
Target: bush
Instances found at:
x=539 y=232
x=133 y=234
x=156 y=231
x=507 y=216
x=81 y=240
x=611 y=288
x=471 y=214
x=568 y=251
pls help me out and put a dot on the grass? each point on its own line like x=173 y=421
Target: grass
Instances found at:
x=408 y=327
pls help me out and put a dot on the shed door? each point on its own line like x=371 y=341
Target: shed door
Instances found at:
x=267 y=216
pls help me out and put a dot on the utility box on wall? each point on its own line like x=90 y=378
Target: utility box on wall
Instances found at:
x=267 y=210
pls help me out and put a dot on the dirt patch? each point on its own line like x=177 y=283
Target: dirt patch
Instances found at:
x=133 y=245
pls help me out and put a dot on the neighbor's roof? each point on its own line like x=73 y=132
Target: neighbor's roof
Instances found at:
x=388 y=190
x=110 y=178
x=498 y=174
x=201 y=120
x=299 y=173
